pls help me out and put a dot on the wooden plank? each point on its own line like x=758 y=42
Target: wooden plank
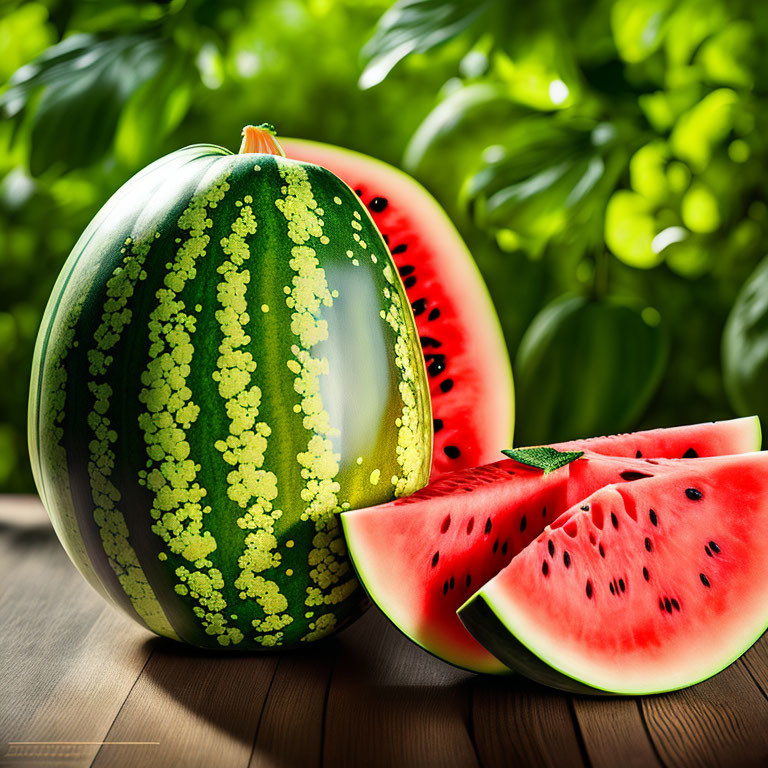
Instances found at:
x=69 y=659
x=614 y=733
x=201 y=709
x=517 y=722
x=392 y=704
x=756 y=662
x=720 y=722
x=291 y=730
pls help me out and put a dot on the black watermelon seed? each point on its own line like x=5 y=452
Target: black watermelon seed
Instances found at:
x=714 y=547
x=544 y=512
x=453 y=583
x=446 y=385
x=706 y=549
x=601 y=550
x=611 y=587
x=495 y=546
x=445 y=588
x=675 y=604
x=359 y=192
x=654 y=518
x=690 y=454
x=435 y=364
x=469 y=579
x=614 y=520
x=419 y=306
x=504 y=548
x=693 y=494
x=551 y=548
x=406 y=269
x=661 y=604
x=648 y=544
x=378 y=204
x=409 y=282
x=645 y=574
x=488 y=525
x=704 y=580
x=438 y=424
x=428 y=341
x=589 y=589
x=585 y=507
x=434 y=314
x=544 y=568
x=435 y=558
x=622 y=586
x=638 y=455
x=386 y=239
x=631 y=475
x=566 y=560
x=667 y=605
x=446 y=524
x=452 y=452
x=400 y=248
x=523 y=523
x=470 y=525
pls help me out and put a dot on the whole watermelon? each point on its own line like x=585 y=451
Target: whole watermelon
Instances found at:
x=227 y=361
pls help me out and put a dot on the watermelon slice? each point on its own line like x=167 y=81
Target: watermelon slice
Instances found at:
x=466 y=357
x=446 y=540
x=644 y=587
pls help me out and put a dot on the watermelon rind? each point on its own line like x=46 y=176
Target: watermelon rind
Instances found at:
x=500 y=621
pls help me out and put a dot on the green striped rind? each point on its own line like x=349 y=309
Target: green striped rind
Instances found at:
x=252 y=369
x=482 y=621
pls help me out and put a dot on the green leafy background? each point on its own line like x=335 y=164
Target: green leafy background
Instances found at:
x=605 y=161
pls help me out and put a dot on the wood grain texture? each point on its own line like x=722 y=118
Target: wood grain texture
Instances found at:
x=72 y=669
x=614 y=733
x=391 y=704
x=722 y=722
x=516 y=722
x=290 y=733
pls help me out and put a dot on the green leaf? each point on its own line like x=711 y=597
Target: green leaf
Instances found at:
x=586 y=368
x=745 y=346
x=417 y=26
x=544 y=458
x=546 y=173
x=84 y=84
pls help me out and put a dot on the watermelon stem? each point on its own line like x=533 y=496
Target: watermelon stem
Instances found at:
x=260 y=139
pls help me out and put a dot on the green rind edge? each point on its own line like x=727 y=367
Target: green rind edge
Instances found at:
x=487 y=625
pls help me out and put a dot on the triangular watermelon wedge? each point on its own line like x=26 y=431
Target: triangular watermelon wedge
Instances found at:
x=422 y=556
x=642 y=588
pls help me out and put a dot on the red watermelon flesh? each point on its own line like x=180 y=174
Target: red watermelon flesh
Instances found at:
x=642 y=588
x=423 y=556
x=712 y=438
x=466 y=357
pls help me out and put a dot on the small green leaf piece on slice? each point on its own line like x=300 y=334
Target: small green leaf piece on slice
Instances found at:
x=544 y=457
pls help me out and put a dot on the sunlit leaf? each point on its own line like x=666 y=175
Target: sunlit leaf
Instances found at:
x=704 y=126
x=417 y=26
x=630 y=229
x=84 y=84
x=543 y=174
x=585 y=368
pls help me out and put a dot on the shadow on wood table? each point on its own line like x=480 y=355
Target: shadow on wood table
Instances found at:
x=82 y=685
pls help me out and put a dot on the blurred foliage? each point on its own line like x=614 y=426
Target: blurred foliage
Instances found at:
x=603 y=159
x=613 y=151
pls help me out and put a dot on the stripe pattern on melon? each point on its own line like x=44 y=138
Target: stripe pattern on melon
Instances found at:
x=246 y=380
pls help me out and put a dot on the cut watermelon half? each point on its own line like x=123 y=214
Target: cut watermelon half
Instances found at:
x=421 y=557
x=466 y=358
x=643 y=588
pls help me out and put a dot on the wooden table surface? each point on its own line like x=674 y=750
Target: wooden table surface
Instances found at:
x=81 y=685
